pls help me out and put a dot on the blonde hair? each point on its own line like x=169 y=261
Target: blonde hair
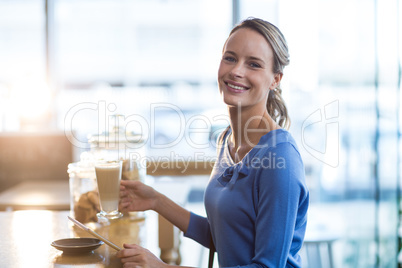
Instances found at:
x=275 y=105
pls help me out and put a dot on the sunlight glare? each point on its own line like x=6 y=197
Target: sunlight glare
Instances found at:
x=31 y=98
x=31 y=232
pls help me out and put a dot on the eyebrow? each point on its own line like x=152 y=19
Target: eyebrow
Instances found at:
x=251 y=57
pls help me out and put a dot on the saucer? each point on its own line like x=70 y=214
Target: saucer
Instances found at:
x=77 y=245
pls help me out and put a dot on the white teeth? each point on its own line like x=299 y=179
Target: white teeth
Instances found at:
x=237 y=87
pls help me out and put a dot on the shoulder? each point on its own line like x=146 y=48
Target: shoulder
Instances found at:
x=278 y=161
x=277 y=137
x=277 y=145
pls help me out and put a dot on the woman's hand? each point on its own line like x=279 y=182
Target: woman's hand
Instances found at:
x=136 y=196
x=135 y=256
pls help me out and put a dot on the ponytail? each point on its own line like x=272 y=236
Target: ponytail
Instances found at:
x=277 y=109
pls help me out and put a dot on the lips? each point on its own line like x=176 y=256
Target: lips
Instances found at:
x=235 y=87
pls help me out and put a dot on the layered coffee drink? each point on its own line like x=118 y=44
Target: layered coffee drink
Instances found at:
x=108 y=177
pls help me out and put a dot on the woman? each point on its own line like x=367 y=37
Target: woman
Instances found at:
x=256 y=199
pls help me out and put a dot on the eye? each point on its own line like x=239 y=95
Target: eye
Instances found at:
x=255 y=65
x=229 y=59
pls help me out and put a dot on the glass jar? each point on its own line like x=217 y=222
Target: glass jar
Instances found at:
x=116 y=144
x=84 y=201
x=119 y=144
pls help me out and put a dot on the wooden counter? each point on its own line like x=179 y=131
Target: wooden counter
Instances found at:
x=26 y=238
x=50 y=195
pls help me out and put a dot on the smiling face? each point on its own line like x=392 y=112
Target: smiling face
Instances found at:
x=245 y=73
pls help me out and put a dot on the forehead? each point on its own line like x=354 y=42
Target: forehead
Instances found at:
x=249 y=42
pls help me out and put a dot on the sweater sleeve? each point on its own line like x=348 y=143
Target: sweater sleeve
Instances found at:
x=199 y=230
x=281 y=205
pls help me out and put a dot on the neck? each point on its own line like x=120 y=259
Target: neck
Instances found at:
x=248 y=126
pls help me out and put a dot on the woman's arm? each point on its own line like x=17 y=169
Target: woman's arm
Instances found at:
x=171 y=211
x=282 y=211
x=136 y=196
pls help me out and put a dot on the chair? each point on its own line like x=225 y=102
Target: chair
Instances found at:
x=318 y=251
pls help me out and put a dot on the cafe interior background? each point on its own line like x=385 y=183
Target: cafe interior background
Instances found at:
x=67 y=66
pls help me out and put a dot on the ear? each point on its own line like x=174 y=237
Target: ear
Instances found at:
x=277 y=80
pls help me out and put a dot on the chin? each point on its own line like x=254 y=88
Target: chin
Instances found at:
x=232 y=102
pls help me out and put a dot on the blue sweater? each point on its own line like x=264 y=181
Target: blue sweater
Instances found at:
x=257 y=208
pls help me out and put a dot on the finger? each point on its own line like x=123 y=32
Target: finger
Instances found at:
x=126 y=183
x=125 y=200
x=124 y=207
x=131 y=265
x=125 y=204
x=122 y=254
x=134 y=246
x=124 y=195
x=127 y=253
x=132 y=259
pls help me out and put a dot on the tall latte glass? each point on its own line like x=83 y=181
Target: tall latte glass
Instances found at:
x=108 y=175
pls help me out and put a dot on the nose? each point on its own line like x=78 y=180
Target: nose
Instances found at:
x=238 y=70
